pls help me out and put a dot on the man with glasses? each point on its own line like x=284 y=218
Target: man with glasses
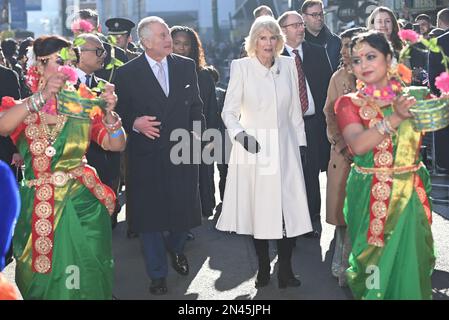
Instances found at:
x=107 y=163
x=91 y=16
x=317 y=32
x=314 y=72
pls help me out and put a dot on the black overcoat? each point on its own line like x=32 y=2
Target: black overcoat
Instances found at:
x=162 y=195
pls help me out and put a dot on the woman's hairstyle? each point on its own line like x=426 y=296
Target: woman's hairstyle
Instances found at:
x=349 y=33
x=375 y=39
x=197 y=51
x=46 y=45
x=260 y=24
x=394 y=38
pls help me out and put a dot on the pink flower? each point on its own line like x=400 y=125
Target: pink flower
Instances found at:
x=442 y=82
x=81 y=26
x=408 y=35
x=70 y=73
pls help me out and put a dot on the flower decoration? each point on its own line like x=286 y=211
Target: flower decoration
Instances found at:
x=50 y=107
x=82 y=26
x=404 y=73
x=70 y=72
x=388 y=93
x=442 y=82
x=32 y=78
x=409 y=36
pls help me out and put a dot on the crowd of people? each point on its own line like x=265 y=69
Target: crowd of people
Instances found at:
x=299 y=102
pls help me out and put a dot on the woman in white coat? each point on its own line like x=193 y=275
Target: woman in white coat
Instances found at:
x=265 y=193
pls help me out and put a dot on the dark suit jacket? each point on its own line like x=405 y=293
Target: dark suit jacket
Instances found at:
x=209 y=98
x=331 y=42
x=435 y=65
x=318 y=73
x=9 y=86
x=120 y=54
x=435 y=68
x=107 y=163
x=163 y=195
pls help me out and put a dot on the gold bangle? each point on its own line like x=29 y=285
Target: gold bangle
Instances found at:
x=389 y=127
x=380 y=127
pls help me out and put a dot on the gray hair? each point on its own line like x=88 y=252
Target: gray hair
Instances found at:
x=143 y=32
x=285 y=15
x=260 y=24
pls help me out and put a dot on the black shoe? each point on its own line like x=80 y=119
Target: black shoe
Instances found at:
x=180 y=264
x=290 y=282
x=262 y=281
x=158 y=287
x=190 y=236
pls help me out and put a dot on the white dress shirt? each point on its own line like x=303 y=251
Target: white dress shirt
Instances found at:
x=82 y=76
x=154 y=66
x=311 y=110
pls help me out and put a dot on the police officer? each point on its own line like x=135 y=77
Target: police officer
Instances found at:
x=121 y=28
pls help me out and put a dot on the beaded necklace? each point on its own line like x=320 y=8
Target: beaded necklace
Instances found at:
x=52 y=134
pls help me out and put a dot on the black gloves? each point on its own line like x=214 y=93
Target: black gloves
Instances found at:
x=248 y=142
x=303 y=153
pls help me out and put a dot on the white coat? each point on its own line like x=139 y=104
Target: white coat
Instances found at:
x=267 y=188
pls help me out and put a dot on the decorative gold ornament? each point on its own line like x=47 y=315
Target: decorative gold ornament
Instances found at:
x=42 y=264
x=379 y=209
x=381 y=191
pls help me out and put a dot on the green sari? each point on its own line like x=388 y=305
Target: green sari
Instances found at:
x=82 y=264
x=399 y=266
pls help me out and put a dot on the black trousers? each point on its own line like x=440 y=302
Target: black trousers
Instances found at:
x=311 y=170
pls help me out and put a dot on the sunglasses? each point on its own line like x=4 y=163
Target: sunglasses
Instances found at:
x=98 y=51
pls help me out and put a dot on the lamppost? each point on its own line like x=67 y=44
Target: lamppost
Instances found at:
x=215 y=21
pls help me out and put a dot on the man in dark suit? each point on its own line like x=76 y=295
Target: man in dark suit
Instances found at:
x=318 y=33
x=8 y=152
x=314 y=72
x=157 y=94
x=91 y=16
x=107 y=163
x=434 y=70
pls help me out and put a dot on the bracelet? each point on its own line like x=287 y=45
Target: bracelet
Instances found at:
x=41 y=98
x=33 y=104
x=389 y=128
x=116 y=116
x=27 y=105
x=380 y=127
x=116 y=134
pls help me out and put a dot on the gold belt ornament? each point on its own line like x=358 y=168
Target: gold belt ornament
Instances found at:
x=58 y=178
x=391 y=171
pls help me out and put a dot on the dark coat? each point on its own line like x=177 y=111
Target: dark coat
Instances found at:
x=9 y=86
x=318 y=73
x=107 y=163
x=435 y=65
x=162 y=195
x=210 y=110
x=317 y=69
x=120 y=54
x=331 y=42
x=435 y=68
x=209 y=98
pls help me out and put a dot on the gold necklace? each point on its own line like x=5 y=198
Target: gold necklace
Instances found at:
x=52 y=134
